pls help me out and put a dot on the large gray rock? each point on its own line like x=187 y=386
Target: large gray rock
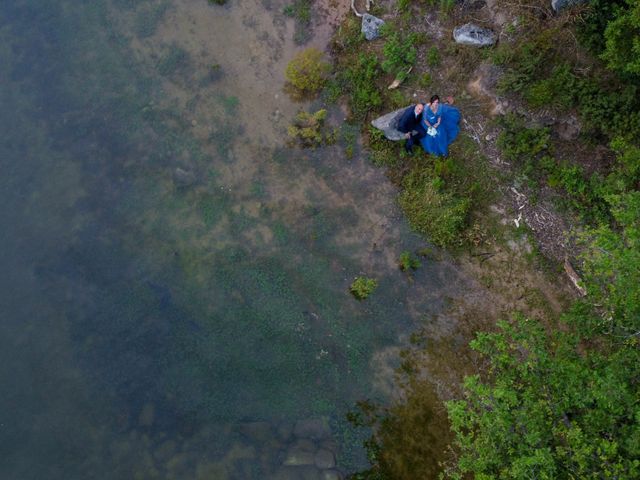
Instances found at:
x=371 y=26
x=389 y=124
x=560 y=4
x=470 y=34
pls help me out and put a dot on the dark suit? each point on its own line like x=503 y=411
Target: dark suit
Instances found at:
x=408 y=123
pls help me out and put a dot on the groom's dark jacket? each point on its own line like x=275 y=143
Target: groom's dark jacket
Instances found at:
x=408 y=121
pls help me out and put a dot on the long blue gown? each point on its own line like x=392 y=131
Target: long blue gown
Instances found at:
x=447 y=131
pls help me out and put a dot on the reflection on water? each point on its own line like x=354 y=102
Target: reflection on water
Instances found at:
x=175 y=283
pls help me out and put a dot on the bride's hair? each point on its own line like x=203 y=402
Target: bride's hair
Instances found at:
x=434 y=98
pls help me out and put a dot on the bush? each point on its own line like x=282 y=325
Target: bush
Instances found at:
x=407 y=261
x=362 y=287
x=399 y=52
x=521 y=144
x=439 y=215
x=360 y=81
x=622 y=41
x=555 y=91
x=309 y=129
x=308 y=71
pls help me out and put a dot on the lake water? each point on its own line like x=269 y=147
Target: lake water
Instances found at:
x=174 y=298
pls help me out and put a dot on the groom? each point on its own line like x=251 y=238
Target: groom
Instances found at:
x=410 y=121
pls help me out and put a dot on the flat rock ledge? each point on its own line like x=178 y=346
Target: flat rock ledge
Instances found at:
x=470 y=34
x=389 y=124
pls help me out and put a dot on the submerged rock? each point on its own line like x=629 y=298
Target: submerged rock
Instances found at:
x=306 y=472
x=296 y=458
x=325 y=459
x=389 y=124
x=371 y=26
x=315 y=428
x=470 y=34
x=560 y=4
x=330 y=475
x=259 y=432
x=183 y=178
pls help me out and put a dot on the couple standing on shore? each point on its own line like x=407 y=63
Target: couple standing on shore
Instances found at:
x=433 y=125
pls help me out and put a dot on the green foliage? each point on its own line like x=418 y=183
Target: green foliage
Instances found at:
x=300 y=10
x=308 y=129
x=438 y=214
x=359 y=80
x=362 y=287
x=381 y=151
x=332 y=91
x=626 y=176
x=612 y=270
x=622 y=40
x=425 y=80
x=307 y=72
x=595 y=20
x=555 y=91
x=399 y=51
x=348 y=36
x=521 y=144
x=408 y=261
x=547 y=409
x=433 y=57
x=525 y=64
x=621 y=102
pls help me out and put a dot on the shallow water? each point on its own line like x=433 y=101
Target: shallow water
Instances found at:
x=175 y=280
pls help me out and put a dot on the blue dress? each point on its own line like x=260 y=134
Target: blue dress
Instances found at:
x=447 y=131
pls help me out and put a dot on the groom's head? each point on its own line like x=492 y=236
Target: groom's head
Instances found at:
x=418 y=109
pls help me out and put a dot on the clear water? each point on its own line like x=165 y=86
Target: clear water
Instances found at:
x=171 y=272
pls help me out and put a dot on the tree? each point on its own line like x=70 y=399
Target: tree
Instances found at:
x=565 y=404
x=622 y=40
x=547 y=409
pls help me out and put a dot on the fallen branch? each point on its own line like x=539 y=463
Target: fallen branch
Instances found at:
x=574 y=277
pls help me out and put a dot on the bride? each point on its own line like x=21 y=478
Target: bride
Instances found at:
x=441 y=123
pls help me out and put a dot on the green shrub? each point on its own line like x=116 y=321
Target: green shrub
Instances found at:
x=308 y=71
x=425 y=80
x=433 y=57
x=359 y=80
x=439 y=215
x=399 y=51
x=556 y=91
x=521 y=144
x=408 y=261
x=362 y=287
x=622 y=41
x=309 y=129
